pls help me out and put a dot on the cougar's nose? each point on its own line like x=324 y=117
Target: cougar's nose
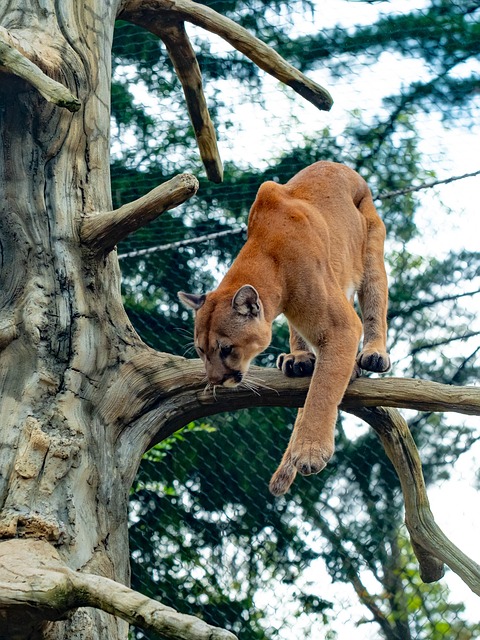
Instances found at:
x=227 y=380
x=232 y=379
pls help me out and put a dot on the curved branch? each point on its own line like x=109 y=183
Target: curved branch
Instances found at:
x=13 y=61
x=149 y=379
x=155 y=394
x=431 y=545
x=102 y=231
x=186 y=66
x=34 y=581
x=144 y=13
x=162 y=393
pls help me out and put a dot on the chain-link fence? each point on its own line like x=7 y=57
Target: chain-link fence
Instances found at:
x=331 y=559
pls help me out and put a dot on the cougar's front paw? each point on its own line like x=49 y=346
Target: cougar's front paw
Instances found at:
x=311 y=457
x=296 y=364
x=378 y=361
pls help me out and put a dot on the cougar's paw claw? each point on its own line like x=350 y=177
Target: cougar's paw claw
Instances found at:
x=311 y=457
x=374 y=361
x=282 y=479
x=297 y=364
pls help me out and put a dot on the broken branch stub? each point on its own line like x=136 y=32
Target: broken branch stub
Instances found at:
x=15 y=62
x=186 y=66
x=102 y=231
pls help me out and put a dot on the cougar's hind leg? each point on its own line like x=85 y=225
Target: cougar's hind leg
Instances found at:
x=300 y=361
x=373 y=295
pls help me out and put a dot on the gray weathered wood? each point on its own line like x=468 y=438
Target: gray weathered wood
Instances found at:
x=103 y=230
x=14 y=61
x=186 y=67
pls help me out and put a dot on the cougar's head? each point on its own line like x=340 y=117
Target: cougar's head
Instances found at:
x=230 y=330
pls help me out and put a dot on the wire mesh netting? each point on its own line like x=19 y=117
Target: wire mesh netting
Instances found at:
x=331 y=559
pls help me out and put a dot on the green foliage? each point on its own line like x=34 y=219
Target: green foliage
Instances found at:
x=206 y=536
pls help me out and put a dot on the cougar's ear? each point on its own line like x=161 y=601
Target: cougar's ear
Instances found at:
x=191 y=300
x=246 y=301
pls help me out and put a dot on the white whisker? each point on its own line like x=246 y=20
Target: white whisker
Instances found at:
x=261 y=383
x=185 y=332
x=188 y=348
x=250 y=386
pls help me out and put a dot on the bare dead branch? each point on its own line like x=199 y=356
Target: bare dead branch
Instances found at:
x=143 y=12
x=34 y=581
x=431 y=545
x=407 y=393
x=13 y=61
x=186 y=66
x=155 y=394
x=102 y=231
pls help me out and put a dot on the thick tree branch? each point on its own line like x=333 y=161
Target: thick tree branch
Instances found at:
x=155 y=394
x=149 y=379
x=143 y=12
x=137 y=609
x=102 y=231
x=13 y=61
x=35 y=583
x=186 y=66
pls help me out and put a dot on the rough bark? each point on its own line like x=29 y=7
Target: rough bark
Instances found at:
x=81 y=397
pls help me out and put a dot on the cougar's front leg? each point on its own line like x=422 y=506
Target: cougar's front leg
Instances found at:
x=312 y=442
x=300 y=361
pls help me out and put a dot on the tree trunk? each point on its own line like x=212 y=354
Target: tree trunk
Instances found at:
x=63 y=326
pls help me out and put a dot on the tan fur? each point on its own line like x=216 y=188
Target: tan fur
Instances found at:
x=312 y=244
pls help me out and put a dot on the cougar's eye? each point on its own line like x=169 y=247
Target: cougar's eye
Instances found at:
x=225 y=351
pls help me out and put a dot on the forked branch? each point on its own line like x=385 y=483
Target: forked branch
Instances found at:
x=165 y=18
x=102 y=231
x=35 y=583
x=163 y=393
x=13 y=61
x=142 y=12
